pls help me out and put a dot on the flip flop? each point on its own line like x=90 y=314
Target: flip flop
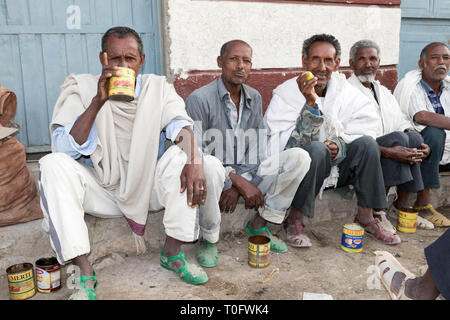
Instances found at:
x=295 y=237
x=207 y=257
x=276 y=244
x=189 y=273
x=436 y=218
x=388 y=266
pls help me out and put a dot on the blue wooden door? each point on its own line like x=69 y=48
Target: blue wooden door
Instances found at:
x=423 y=21
x=42 y=41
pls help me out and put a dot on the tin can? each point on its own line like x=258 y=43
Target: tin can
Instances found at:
x=352 y=237
x=21 y=281
x=407 y=220
x=259 y=251
x=121 y=87
x=48 y=275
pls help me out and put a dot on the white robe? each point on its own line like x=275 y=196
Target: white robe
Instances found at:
x=412 y=98
x=347 y=113
x=392 y=117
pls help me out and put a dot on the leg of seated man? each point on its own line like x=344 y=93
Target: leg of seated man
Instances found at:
x=362 y=169
x=435 y=138
x=68 y=189
x=281 y=175
x=304 y=200
x=181 y=222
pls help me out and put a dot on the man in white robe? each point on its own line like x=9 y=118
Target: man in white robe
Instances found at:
x=343 y=146
x=401 y=147
x=126 y=172
x=424 y=96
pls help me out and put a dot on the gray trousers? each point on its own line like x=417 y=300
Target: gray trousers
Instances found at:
x=403 y=175
x=360 y=168
x=435 y=138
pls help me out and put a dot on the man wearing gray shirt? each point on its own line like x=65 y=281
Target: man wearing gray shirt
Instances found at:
x=229 y=125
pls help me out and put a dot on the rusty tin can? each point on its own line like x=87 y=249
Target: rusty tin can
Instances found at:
x=21 y=281
x=259 y=251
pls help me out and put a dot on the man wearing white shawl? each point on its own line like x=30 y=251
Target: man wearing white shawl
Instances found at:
x=345 y=146
x=126 y=170
x=401 y=147
x=424 y=96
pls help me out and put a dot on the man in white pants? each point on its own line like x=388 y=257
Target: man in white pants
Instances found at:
x=125 y=171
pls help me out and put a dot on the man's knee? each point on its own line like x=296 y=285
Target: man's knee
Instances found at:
x=433 y=136
x=415 y=139
x=298 y=158
x=213 y=169
x=317 y=152
x=396 y=138
x=54 y=160
x=366 y=144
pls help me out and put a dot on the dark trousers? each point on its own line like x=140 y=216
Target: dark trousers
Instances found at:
x=435 y=138
x=360 y=168
x=403 y=175
x=438 y=259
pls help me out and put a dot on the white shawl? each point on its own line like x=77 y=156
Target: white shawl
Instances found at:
x=347 y=113
x=156 y=106
x=392 y=118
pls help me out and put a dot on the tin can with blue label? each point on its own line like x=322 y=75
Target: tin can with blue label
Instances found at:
x=352 y=237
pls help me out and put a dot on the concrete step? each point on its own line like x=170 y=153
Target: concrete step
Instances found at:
x=27 y=242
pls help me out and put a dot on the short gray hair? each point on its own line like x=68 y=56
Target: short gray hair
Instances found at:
x=363 y=44
x=322 y=38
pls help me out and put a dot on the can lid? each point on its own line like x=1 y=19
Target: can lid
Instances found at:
x=352 y=226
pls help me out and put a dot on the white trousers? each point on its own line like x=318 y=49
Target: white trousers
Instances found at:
x=68 y=189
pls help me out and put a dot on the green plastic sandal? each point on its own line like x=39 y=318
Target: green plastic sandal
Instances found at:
x=207 y=257
x=189 y=273
x=84 y=293
x=276 y=244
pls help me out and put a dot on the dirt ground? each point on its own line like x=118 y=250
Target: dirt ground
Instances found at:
x=323 y=268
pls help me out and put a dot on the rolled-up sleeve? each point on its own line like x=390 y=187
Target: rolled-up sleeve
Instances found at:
x=65 y=143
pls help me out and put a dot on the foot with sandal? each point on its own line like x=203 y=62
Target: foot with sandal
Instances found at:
x=258 y=226
x=400 y=283
x=293 y=227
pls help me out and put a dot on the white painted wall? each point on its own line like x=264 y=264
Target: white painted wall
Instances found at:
x=198 y=28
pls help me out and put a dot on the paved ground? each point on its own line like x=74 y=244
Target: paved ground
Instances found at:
x=324 y=268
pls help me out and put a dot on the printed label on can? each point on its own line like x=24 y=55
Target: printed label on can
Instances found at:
x=352 y=238
x=21 y=285
x=47 y=280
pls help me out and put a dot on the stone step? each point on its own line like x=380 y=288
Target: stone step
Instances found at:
x=27 y=242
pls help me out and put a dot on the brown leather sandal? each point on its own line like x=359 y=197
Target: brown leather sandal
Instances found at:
x=381 y=235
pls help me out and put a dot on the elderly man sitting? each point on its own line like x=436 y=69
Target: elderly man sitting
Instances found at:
x=424 y=96
x=401 y=147
x=328 y=117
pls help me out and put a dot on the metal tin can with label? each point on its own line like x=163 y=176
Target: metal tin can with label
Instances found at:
x=21 y=281
x=121 y=87
x=259 y=251
x=352 y=237
x=48 y=275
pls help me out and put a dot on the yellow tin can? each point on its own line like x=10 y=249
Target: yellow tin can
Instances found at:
x=407 y=220
x=259 y=251
x=352 y=237
x=21 y=281
x=121 y=87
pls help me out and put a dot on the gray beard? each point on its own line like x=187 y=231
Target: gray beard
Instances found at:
x=367 y=78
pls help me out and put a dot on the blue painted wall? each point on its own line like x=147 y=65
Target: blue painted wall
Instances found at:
x=423 y=21
x=42 y=41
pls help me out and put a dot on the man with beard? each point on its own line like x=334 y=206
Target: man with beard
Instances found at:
x=401 y=147
x=343 y=150
x=229 y=125
x=424 y=96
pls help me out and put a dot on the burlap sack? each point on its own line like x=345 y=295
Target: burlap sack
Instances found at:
x=19 y=200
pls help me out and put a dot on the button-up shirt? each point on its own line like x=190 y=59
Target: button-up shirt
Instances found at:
x=239 y=144
x=435 y=99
